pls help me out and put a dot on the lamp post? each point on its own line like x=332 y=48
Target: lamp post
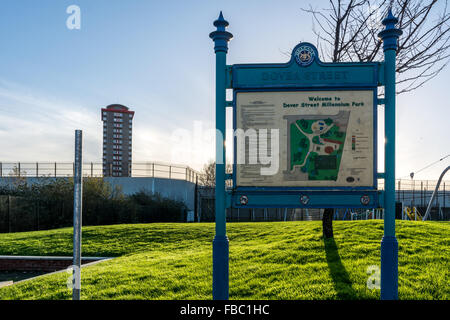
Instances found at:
x=389 y=244
x=220 y=242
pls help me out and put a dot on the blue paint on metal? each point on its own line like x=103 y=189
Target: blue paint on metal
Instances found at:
x=389 y=267
x=221 y=37
x=316 y=74
x=389 y=245
x=317 y=199
x=307 y=72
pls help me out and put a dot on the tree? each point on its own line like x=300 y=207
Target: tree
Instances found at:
x=18 y=178
x=347 y=31
x=207 y=176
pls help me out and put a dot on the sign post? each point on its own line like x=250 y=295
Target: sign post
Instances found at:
x=305 y=136
x=220 y=242
x=77 y=213
x=389 y=244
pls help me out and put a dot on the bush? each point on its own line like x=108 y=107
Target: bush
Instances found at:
x=155 y=208
x=49 y=205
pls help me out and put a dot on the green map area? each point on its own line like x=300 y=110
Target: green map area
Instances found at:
x=316 y=147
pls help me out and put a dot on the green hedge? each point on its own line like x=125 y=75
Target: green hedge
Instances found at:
x=49 y=205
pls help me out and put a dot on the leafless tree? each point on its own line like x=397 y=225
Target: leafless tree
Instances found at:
x=208 y=175
x=347 y=31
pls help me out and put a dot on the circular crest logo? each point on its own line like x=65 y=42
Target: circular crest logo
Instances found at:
x=304 y=55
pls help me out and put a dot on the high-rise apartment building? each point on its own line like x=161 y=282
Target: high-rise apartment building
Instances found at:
x=117 y=140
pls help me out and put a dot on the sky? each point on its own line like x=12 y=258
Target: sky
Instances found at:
x=156 y=58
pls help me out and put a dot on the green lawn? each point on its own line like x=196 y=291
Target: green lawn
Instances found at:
x=276 y=260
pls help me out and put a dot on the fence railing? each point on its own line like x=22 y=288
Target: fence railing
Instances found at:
x=417 y=192
x=409 y=184
x=96 y=169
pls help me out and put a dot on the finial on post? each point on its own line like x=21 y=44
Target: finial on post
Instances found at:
x=390 y=34
x=221 y=36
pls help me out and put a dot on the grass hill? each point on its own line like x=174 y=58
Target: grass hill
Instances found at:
x=276 y=260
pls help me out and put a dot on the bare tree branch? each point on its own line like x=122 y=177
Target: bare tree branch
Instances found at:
x=348 y=31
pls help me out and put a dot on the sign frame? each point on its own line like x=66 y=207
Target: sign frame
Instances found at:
x=366 y=78
x=376 y=74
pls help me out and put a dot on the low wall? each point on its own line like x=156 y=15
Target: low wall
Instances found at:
x=180 y=190
x=35 y=263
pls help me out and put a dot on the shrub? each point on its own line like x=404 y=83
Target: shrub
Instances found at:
x=49 y=205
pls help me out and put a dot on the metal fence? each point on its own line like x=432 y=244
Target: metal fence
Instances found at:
x=95 y=169
x=409 y=192
x=418 y=192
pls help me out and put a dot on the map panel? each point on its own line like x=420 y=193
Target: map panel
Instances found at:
x=325 y=138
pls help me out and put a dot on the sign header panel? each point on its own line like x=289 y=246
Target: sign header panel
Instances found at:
x=305 y=70
x=326 y=139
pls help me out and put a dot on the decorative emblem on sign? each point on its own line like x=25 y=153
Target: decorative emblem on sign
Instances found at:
x=304 y=55
x=243 y=200
x=304 y=199
x=365 y=200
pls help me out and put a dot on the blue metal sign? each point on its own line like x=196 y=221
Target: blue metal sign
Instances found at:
x=305 y=72
x=311 y=74
x=306 y=75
